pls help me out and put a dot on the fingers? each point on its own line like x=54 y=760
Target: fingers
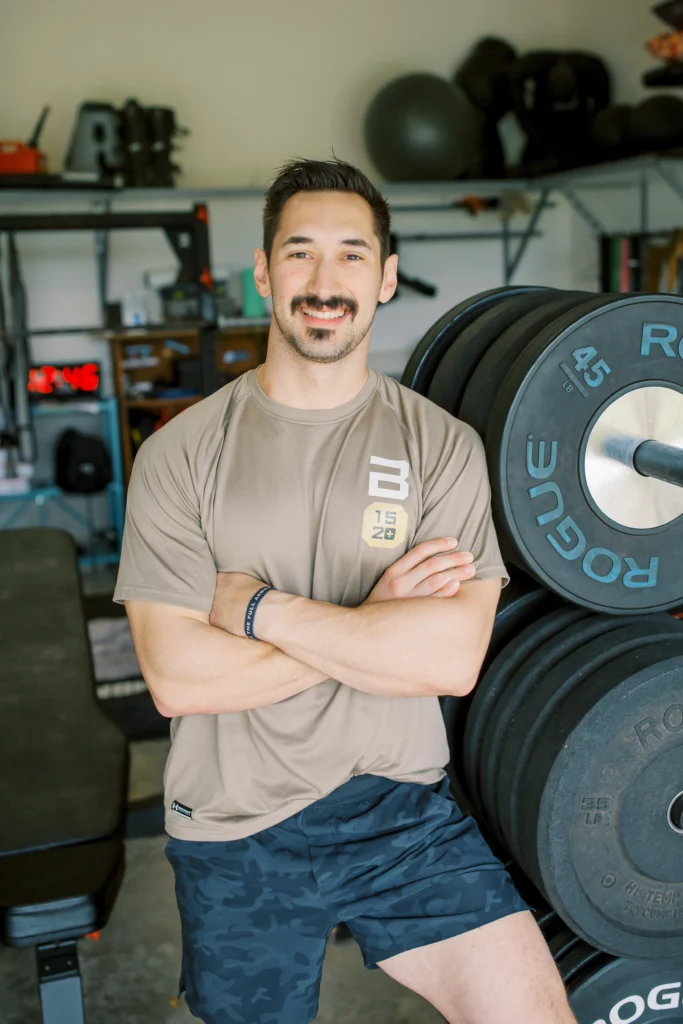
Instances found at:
x=448 y=590
x=420 y=552
x=459 y=564
x=439 y=563
x=443 y=584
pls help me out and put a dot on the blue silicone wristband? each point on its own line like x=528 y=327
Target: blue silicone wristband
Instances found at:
x=251 y=611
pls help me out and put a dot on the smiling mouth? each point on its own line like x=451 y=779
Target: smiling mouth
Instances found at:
x=320 y=316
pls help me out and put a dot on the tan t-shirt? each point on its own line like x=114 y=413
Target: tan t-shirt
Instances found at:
x=316 y=503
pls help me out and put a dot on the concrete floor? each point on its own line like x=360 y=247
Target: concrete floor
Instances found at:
x=130 y=975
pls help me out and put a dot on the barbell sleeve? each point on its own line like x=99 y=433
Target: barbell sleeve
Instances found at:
x=663 y=461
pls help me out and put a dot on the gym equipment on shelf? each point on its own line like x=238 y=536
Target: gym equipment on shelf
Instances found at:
x=555 y=96
x=485 y=78
x=420 y=127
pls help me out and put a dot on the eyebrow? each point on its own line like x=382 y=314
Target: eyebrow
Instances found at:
x=302 y=240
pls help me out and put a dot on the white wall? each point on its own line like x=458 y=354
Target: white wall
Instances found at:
x=255 y=82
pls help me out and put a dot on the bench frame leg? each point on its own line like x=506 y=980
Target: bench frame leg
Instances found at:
x=59 y=983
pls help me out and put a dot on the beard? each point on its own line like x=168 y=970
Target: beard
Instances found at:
x=306 y=341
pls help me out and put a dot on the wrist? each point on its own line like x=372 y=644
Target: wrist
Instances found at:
x=250 y=613
x=270 y=614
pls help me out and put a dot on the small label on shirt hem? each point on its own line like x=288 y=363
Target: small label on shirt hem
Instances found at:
x=181 y=809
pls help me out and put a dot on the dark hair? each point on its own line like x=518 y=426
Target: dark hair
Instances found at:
x=323 y=176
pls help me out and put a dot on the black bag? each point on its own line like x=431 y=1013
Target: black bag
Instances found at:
x=82 y=463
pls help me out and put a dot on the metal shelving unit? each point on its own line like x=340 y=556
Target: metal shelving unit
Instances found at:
x=187 y=234
x=42 y=498
x=635 y=174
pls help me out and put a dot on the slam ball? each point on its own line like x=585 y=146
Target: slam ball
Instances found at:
x=421 y=127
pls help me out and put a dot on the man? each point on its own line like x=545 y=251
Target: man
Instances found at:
x=308 y=562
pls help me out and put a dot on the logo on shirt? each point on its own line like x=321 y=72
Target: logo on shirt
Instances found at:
x=181 y=809
x=385 y=525
x=389 y=485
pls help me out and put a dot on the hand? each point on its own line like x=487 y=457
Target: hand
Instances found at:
x=234 y=591
x=431 y=569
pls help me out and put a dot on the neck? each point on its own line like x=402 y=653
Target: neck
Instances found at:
x=288 y=378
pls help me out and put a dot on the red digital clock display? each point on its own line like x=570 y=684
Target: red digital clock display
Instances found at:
x=64 y=380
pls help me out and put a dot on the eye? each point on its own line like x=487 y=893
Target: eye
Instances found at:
x=293 y=254
x=353 y=256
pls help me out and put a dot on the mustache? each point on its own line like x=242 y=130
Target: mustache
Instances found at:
x=334 y=302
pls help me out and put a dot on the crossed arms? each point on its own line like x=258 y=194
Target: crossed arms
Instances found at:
x=429 y=643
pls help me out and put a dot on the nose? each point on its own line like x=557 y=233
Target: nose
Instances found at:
x=324 y=281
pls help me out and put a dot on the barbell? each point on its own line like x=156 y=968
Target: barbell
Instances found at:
x=579 y=401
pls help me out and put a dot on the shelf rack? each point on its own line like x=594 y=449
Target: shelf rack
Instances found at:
x=635 y=174
x=43 y=497
x=187 y=234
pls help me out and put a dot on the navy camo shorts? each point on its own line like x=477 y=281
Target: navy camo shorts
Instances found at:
x=397 y=861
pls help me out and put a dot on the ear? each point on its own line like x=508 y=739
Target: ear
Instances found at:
x=389 y=278
x=261 y=275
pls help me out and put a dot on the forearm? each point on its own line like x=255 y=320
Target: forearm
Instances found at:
x=197 y=669
x=393 y=647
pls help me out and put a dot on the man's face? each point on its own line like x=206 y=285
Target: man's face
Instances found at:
x=325 y=275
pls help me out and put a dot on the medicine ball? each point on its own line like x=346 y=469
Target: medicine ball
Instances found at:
x=657 y=123
x=611 y=129
x=421 y=127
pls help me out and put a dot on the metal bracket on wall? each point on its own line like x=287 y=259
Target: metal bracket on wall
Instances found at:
x=586 y=215
x=101 y=240
x=511 y=261
x=505 y=235
x=671 y=178
x=597 y=226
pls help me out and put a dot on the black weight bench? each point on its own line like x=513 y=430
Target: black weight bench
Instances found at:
x=63 y=769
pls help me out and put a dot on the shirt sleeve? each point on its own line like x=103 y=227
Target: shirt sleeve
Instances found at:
x=165 y=556
x=457 y=502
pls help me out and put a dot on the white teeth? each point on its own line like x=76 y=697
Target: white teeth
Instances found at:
x=337 y=315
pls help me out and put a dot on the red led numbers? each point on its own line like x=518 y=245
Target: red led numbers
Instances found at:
x=63 y=380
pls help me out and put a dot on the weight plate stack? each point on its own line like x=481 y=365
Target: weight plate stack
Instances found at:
x=572 y=759
x=586 y=523
x=564 y=387
x=521 y=603
x=495 y=774
x=469 y=345
x=481 y=716
x=430 y=349
x=570 y=749
x=612 y=866
x=562 y=942
x=603 y=989
x=493 y=367
x=615 y=991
